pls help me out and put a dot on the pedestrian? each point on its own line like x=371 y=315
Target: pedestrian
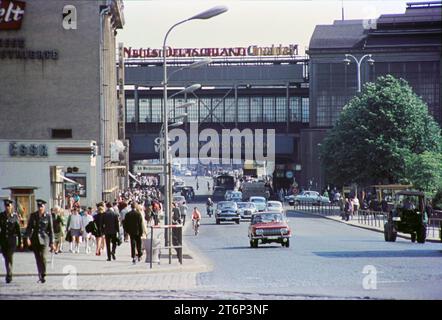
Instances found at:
x=183 y=211
x=99 y=234
x=111 y=228
x=123 y=210
x=133 y=225
x=40 y=235
x=177 y=232
x=58 y=222
x=87 y=236
x=10 y=236
x=356 y=205
x=75 y=227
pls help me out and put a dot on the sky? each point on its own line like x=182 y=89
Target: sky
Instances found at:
x=247 y=22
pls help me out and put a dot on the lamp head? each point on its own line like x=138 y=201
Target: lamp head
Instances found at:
x=210 y=13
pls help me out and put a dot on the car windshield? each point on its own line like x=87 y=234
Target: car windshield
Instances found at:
x=245 y=205
x=408 y=202
x=257 y=200
x=267 y=218
x=226 y=205
x=274 y=205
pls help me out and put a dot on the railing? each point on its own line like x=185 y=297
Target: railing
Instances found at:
x=366 y=217
x=169 y=241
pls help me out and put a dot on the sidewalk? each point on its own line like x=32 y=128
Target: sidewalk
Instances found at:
x=354 y=223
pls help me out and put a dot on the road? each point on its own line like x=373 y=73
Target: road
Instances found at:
x=325 y=259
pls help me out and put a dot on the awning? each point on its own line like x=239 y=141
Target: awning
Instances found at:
x=70 y=180
x=133 y=177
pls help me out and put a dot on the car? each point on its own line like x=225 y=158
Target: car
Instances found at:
x=407 y=216
x=188 y=173
x=227 y=211
x=260 y=202
x=310 y=197
x=275 y=206
x=218 y=192
x=188 y=192
x=236 y=196
x=227 y=195
x=269 y=227
x=246 y=209
x=179 y=200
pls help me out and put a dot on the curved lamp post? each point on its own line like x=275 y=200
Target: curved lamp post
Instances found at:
x=358 y=63
x=210 y=13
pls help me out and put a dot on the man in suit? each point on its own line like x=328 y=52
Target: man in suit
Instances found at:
x=10 y=236
x=111 y=228
x=40 y=235
x=133 y=225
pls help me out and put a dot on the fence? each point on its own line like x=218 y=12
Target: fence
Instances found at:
x=170 y=239
x=366 y=217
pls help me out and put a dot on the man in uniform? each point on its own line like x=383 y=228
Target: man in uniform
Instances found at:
x=40 y=235
x=9 y=234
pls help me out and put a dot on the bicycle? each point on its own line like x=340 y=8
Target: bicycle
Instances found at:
x=195 y=226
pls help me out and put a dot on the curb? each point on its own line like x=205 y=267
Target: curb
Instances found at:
x=400 y=235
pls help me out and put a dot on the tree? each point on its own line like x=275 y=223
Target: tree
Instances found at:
x=376 y=131
x=424 y=171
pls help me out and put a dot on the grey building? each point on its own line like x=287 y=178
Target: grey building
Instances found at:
x=58 y=80
x=405 y=45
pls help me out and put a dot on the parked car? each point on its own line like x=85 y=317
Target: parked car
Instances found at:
x=275 y=206
x=246 y=209
x=227 y=211
x=310 y=197
x=407 y=216
x=268 y=227
x=260 y=202
x=179 y=200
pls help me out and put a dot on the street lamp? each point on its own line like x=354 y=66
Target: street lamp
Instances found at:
x=212 y=12
x=358 y=62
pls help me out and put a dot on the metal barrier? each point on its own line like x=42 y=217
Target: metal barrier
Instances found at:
x=169 y=241
x=434 y=227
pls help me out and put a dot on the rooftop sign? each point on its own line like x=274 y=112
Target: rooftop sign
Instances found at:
x=11 y=14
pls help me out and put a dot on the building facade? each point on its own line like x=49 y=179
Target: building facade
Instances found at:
x=58 y=88
x=404 y=45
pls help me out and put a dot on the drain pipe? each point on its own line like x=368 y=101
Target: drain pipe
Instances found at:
x=103 y=13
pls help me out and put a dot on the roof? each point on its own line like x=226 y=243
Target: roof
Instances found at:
x=341 y=34
x=410 y=193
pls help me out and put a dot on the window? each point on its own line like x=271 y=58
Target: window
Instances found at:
x=243 y=109
x=205 y=108
x=145 y=115
x=229 y=110
x=192 y=112
x=281 y=109
x=218 y=110
x=157 y=105
x=130 y=110
x=268 y=109
x=295 y=109
x=256 y=109
x=305 y=110
x=61 y=133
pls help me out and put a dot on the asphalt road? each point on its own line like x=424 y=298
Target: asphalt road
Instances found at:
x=326 y=259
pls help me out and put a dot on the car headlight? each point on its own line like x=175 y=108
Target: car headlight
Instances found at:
x=259 y=232
x=284 y=230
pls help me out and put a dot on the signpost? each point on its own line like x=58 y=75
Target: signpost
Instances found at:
x=149 y=168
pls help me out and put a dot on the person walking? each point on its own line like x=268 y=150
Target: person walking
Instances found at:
x=133 y=226
x=10 y=236
x=75 y=227
x=40 y=235
x=111 y=227
x=99 y=234
x=183 y=211
x=177 y=232
x=58 y=222
x=87 y=236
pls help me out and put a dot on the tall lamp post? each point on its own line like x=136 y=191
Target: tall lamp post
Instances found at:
x=167 y=165
x=358 y=63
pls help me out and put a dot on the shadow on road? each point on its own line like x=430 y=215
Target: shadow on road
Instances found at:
x=382 y=254
x=296 y=214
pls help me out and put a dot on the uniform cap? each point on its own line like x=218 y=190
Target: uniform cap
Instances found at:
x=7 y=202
x=40 y=202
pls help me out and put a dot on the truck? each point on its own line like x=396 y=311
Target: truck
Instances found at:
x=250 y=189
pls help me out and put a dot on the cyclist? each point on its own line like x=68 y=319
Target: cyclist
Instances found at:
x=196 y=219
x=209 y=206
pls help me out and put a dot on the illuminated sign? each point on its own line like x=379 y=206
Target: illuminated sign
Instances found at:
x=291 y=50
x=11 y=14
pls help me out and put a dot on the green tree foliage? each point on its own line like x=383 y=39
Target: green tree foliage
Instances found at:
x=424 y=171
x=377 y=130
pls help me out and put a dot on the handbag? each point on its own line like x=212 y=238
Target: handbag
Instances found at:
x=69 y=236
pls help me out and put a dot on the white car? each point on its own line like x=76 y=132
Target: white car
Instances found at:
x=311 y=197
x=236 y=196
x=246 y=209
x=228 y=195
x=188 y=173
x=275 y=206
x=179 y=200
x=260 y=202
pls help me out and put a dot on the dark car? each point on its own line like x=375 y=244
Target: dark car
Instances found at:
x=407 y=216
x=268 y=227
x=227 y=211
x=218 y=192
x=188 y=192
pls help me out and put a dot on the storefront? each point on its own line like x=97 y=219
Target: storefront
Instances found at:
x=50 y=170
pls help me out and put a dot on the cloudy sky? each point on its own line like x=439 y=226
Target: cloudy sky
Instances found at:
x=248 y=22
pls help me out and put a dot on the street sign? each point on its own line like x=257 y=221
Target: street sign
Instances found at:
x=149 y=169
x=289 y=174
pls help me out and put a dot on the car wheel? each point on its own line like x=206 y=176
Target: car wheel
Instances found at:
x=217 y=221
x=389 y=234
x=287 y=244
x=421 y=234
x=413 y=237
x=237 y=221
x=252 y=245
